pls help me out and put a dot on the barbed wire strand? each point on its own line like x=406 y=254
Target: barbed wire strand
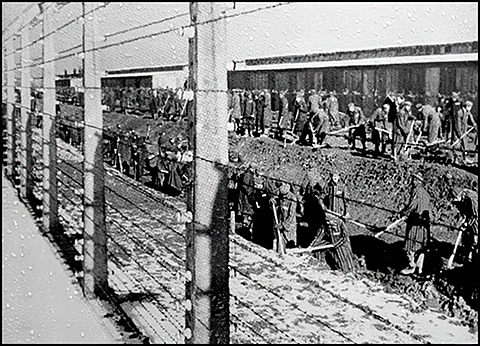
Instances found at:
x=138 y=38
x=57 y=29
x=237 y=299
x=294 y=305
x=146 y=233
x=140 y=266
x=251 y=329
x=335 y=295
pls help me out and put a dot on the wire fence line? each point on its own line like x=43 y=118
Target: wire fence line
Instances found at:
x=285 y=181
x=124 y=233
x=142 y=37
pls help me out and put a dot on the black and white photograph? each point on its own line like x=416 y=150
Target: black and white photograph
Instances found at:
x=240 y=173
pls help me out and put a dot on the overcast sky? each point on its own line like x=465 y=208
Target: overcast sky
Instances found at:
x=296 y=28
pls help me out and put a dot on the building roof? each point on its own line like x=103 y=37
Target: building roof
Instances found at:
x=452 y=52
x=144 y=71
x=470 y=57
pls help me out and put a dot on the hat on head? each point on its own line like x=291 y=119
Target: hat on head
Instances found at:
x=284 y=188
x=335 y=177
x=455 y=94
x=458 y=193
x=418 y=175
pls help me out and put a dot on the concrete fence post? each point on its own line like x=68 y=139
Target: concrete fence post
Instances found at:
x=26 y=186
x=50 y=197
x=95 y=235
x=207 y=287
x=10 y=67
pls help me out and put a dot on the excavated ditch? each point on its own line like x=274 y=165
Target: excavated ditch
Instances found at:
x=377 y=190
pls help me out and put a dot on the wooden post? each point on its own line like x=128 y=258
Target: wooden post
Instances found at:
x=50 y=199
x=95 y=235
x=10 y=62
x=207 y=287
x=26 y=186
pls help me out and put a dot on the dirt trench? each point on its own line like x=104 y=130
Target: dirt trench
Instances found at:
x=377 y=190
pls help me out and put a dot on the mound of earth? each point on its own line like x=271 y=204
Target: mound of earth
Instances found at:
x=377 y=190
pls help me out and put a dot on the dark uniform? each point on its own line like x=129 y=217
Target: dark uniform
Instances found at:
x=248 y=114
x=301 y=114
x=260 y=106
x=356 y=118
x=380 y=138
x=417 y=212
x=467 y=203
x=450 y=110
x=392 y=115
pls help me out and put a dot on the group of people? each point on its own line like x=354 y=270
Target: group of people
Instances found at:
x=136 y=155
x=167 y=103
x=285 y=217
x=450 y=120
x=313 y=218
x=272 y=112
x=309 y=119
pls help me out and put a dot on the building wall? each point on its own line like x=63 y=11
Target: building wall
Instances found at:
x=368 y=85
x=127 y=82
x=170 y=79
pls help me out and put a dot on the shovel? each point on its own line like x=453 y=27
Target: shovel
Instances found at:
x=389 y=227
x=280 y=246
x=457 y=242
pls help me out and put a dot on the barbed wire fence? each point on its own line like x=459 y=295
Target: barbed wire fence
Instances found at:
x=99 y=214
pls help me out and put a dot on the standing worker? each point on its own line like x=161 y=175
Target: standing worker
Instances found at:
x=357 y=119
x=432 y=122
x=380 y=132
x=301 y=113
x=417 y=232
x=336 y=195
x=331 y=106
x=285 y=122
x=248 y=114
x=400 y=130
x=287 y=215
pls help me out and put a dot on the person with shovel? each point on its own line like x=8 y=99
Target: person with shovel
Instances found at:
x=331 y=237
x=417 y=232
x=467 y=204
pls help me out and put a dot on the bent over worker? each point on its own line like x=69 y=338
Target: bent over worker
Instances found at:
x=467 y=204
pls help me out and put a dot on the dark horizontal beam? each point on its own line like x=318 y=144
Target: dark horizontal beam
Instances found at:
x=418 y=50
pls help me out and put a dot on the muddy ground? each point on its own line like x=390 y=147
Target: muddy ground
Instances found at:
x=377 y=191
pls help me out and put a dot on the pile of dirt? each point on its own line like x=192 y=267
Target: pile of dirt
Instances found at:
x=377 y=190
